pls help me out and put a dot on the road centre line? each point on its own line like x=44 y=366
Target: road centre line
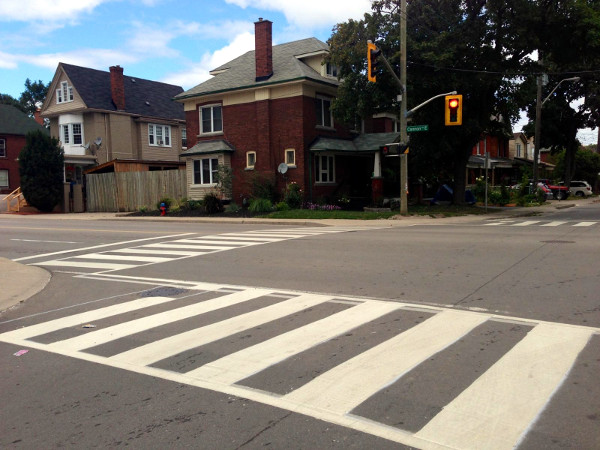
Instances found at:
x=99 y=246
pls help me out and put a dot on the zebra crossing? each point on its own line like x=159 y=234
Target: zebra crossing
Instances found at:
x=494 y=411
x=539 y=223
x=190 y=246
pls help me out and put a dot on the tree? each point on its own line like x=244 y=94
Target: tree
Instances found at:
x=587 y=163
x=468 y=47
x=6 y=99
x=35 y=92
x=41 y=165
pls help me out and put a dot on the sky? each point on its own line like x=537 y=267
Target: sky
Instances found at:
x=173 y=41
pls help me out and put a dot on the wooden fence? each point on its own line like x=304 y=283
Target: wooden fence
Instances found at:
x=129 y=191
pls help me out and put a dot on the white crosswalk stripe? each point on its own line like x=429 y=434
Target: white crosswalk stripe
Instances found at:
x=494 y=411
x=541 y=223
x=190 y=246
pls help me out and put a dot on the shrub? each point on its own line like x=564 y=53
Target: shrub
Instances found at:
x=260 y=205
x=232 y=207
x=293 y=195
x=212 y=204
x=194 y=204
x=282 y=206
x=41 y=166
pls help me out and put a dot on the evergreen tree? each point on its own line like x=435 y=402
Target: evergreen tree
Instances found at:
x=41 y=168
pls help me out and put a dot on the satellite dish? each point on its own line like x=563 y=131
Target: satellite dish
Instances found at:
x=86 y=146
x=98 y=141
x=283 y=168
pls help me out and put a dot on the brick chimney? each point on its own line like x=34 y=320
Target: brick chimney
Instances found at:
x=263 y=38
x=117 y=87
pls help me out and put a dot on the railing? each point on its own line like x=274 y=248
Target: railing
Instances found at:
x=20 y=200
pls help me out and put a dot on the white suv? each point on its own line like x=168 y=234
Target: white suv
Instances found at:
x=580 y=188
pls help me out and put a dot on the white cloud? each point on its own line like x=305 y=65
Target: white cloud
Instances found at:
x=44 y=10
x=196 y=73
x=94 y=58
x=310 y=14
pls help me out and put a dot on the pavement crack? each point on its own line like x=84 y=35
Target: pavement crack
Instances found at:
x=268 y=427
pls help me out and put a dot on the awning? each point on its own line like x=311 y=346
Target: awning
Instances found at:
x=207 y=147
x=363 y=143
x=84 y=160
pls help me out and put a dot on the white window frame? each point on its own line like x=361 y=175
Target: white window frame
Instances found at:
x=213 y=129
x=159 y=135
x=68 y=133
x=250 y=160
x=325 y=176
x=64 y=93
x=184 y=137
x=2 y=148
x=290 y=161
x=331 y=70
x=213 y=164
x=518 y=150
x=320 y=108
x=4 y=171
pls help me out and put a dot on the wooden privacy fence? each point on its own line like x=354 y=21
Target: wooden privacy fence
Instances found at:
x=129 y=191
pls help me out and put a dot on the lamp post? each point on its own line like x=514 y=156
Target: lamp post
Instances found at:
x=538 y=121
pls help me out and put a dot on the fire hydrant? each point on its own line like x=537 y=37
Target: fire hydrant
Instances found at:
x=163 y=209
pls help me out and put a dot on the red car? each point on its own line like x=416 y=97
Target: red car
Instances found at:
x=558 y=192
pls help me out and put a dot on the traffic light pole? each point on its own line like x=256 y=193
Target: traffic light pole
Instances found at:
x=403 y=109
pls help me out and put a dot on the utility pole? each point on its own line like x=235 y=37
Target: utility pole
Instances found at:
x=403 y=109
x=538 y=129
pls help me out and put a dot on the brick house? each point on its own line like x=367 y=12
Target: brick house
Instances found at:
x=270 y=109
x=14 y=125
x=114 y=121
x=503 y=169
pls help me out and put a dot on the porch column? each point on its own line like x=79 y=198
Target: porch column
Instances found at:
x=377 y=180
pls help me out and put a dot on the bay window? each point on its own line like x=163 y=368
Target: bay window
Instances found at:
x=205 y=170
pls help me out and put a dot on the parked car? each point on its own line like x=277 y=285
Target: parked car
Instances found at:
x=580 y=188
x=558 y=192
x=541 y=186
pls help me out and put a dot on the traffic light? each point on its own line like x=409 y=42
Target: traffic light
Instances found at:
x=393 y=149
x=372 y=54
x=453 y=115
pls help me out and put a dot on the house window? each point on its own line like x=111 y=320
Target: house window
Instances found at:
x=2 y=148
x=324 y=169
x=159 y=135
x=250 y=160
x=518 y=150
x=3 y=178
x=332 y=70
x=211 y=119
x=64 y=93
x=184 y=138
x=205 y=170
x=290 y=157
x=72 y=133
x=323 y=110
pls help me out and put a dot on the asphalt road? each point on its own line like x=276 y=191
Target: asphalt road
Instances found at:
x=432 y=334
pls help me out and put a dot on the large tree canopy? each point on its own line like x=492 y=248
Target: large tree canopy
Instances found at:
x=485 y=50
x=35 y=92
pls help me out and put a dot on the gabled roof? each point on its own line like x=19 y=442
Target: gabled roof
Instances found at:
x=240 y=73
x=15 y=121
x=367 y=142
x=142 y=97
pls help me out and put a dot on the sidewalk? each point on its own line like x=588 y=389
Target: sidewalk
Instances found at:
x=19 y=282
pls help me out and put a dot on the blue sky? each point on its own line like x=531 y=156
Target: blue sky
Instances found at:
x=174 y=41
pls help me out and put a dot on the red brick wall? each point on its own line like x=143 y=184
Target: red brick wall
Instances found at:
x=268 y=128
x=14 y=145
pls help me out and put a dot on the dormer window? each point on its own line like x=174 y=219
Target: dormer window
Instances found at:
x=64 y=93
x=332 y=70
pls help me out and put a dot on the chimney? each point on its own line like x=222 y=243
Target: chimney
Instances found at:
x=37 y=117
x=117 y=87
x=263 y=51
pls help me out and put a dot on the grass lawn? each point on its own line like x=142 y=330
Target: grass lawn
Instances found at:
x=417 y=210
